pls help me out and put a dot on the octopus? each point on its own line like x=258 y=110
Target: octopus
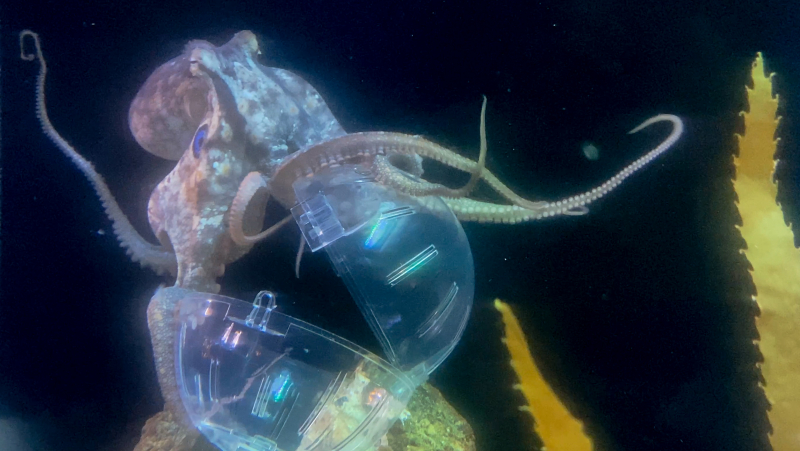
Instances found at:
x=242 y=133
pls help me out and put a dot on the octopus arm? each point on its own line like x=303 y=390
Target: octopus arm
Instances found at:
x=473 y=210
x=141 y=251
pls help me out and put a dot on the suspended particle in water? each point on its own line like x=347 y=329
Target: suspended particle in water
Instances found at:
x=590 y=150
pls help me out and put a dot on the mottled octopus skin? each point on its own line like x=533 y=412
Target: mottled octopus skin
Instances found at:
x=284 y=113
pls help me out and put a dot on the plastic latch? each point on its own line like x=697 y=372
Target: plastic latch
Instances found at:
x=317 y=221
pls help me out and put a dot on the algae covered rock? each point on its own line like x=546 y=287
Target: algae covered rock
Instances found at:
x=430 y=424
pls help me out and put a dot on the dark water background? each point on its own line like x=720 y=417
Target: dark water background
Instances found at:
x=639 y=312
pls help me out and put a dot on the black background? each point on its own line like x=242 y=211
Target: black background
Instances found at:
x=638 y=312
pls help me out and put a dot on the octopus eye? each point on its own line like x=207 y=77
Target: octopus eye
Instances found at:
x=199 y=140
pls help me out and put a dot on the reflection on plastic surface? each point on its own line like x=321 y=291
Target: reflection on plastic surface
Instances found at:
x=407 y=268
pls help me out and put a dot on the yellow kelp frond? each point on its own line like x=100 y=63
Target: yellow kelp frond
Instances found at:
x=775 y=261
x=559 y=430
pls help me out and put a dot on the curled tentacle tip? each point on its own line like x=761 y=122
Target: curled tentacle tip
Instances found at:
x=22 y=54
x=658 y=118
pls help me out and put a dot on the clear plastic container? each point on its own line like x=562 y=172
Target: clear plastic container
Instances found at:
x=254 y=379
